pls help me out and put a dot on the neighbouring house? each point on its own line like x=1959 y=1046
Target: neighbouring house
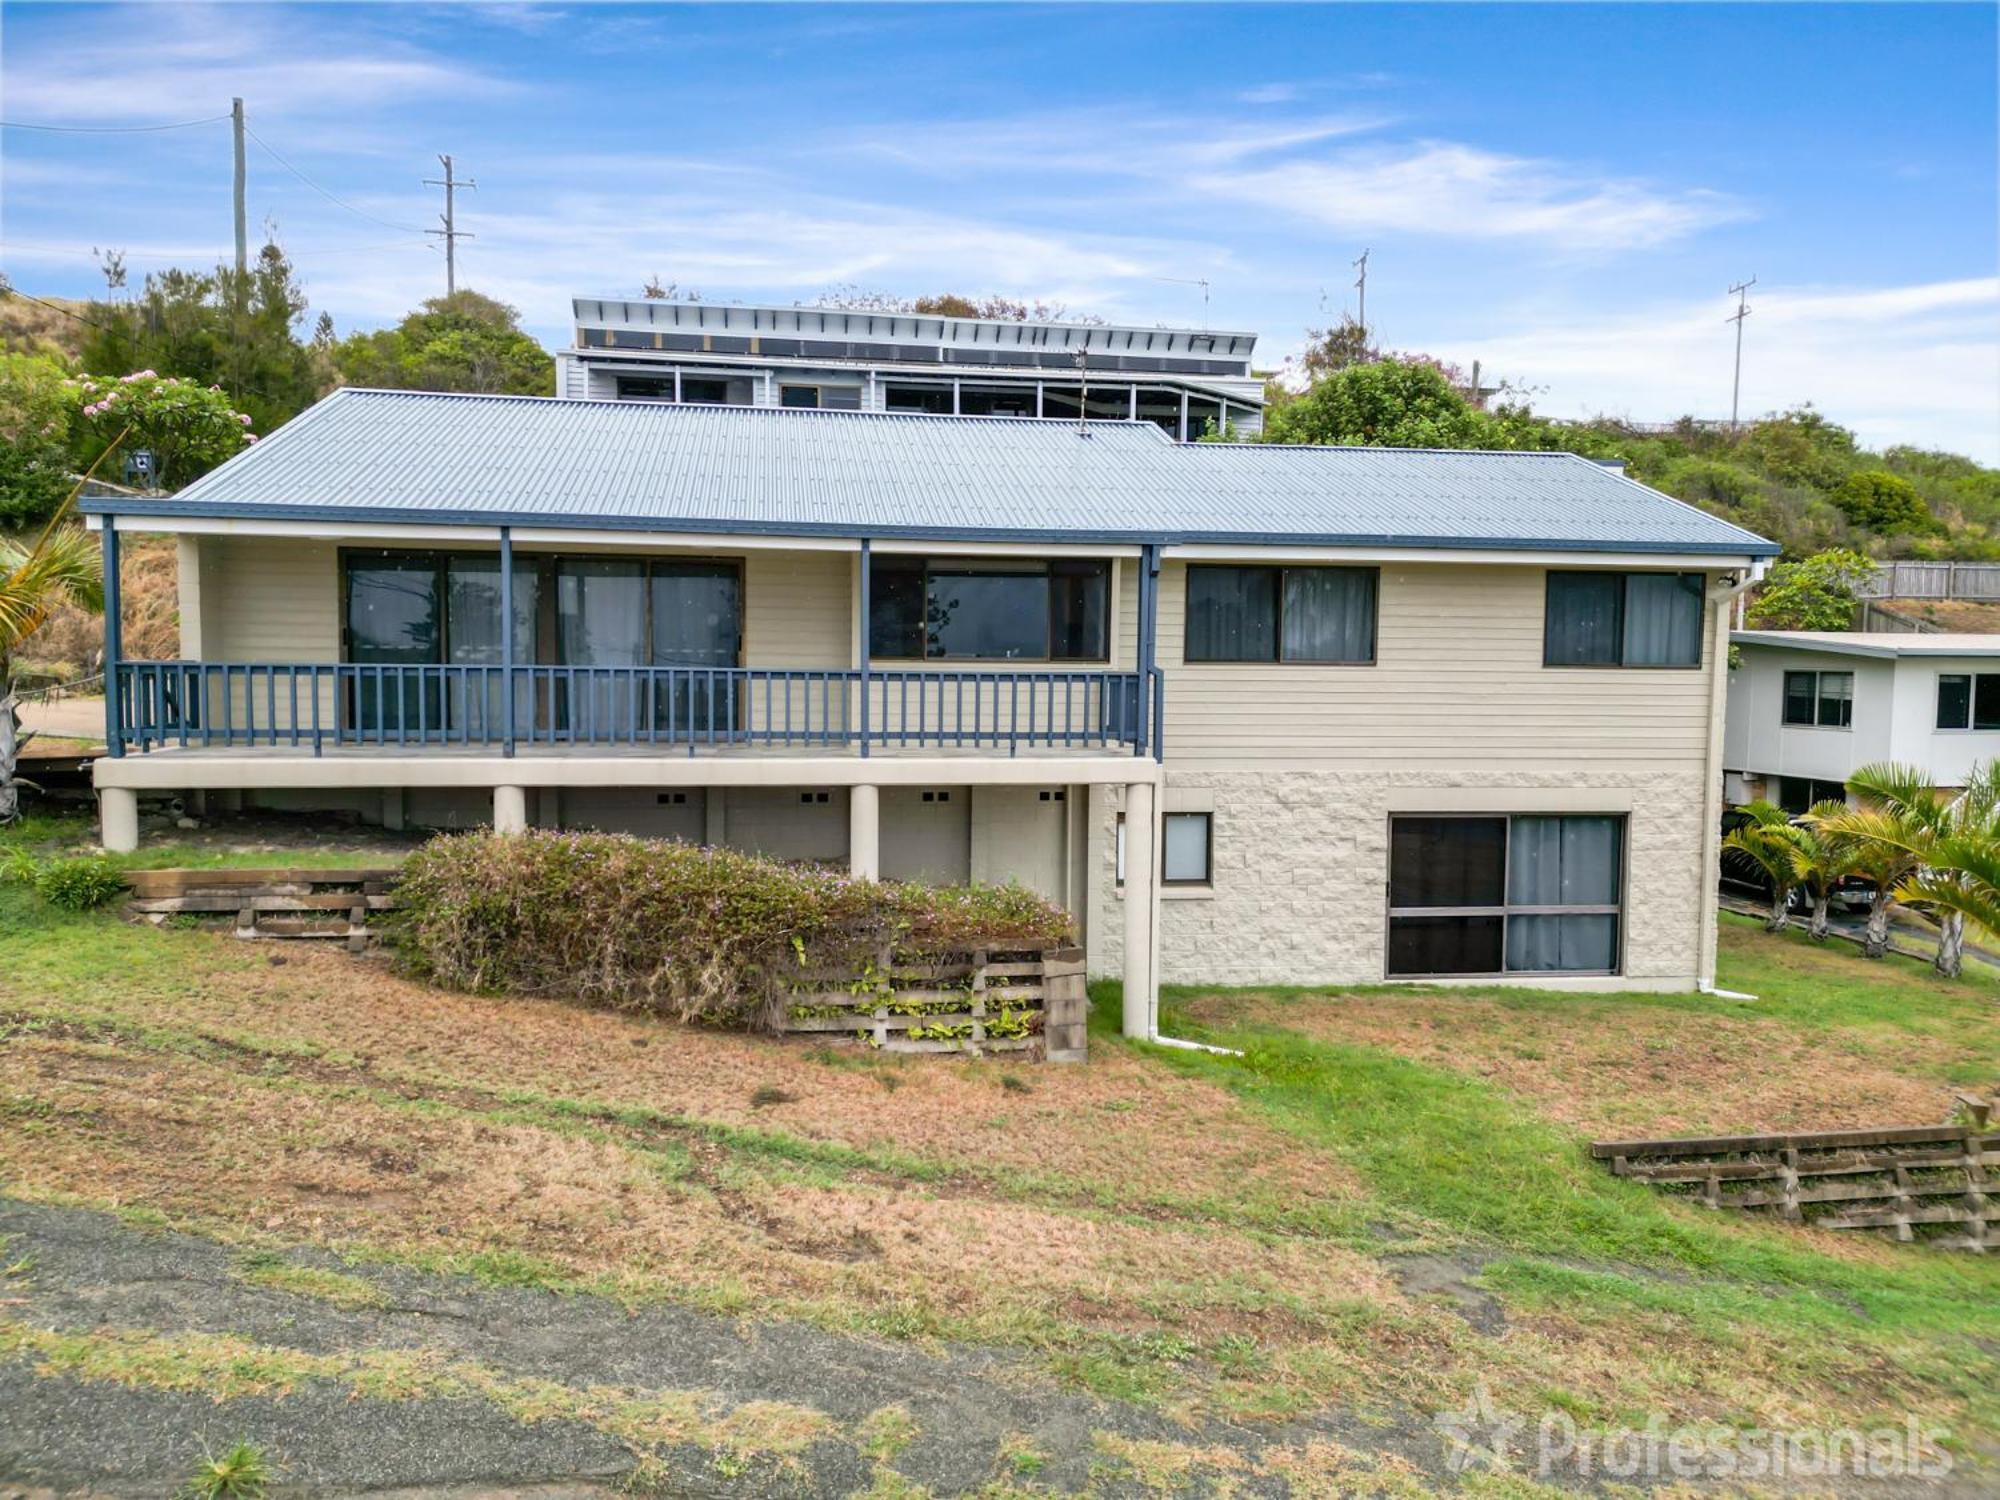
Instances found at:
x=1808 y=707
x=1253 y=714
x=1187 y=381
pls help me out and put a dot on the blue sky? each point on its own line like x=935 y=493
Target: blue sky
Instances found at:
x=1563 y=193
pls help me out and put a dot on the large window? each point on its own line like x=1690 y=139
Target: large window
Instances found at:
x=1505 y=895
x=989 y=611
x=430 y=608
x=1280 y=614
x=1825 y=699
x=1623 y=620
x=1968 y=700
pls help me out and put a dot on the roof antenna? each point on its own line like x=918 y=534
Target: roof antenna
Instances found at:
x=1081 y=355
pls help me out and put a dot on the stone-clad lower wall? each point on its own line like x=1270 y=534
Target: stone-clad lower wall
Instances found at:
x=1301 y=866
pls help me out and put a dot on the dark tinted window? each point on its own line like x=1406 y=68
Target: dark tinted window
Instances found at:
x=896 y=607
x=1232 y=614
x=1445 y=945
x=989 y=615
x=1447 y=862
x=1079 y=605
x=1585 y=612
x=1954 y=701
x=959 y=610
x=393 y=609
x=1986 y=701
x=1801 y=695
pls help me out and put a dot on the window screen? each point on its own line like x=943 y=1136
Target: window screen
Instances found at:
x=1490 y=895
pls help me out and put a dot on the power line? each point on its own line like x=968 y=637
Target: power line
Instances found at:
x=330 y=197
x=110 y=129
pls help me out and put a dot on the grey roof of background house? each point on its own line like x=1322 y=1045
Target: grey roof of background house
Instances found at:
x=412 y=456
x=1882 y=643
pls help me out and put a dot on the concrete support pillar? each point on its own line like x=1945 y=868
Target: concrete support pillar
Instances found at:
x=1142 y=996
x=392 y=808
x=510 y=809
x=864 y=832
x=715 y=817
x=118 y=818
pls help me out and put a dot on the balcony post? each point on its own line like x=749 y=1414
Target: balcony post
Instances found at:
x=507 y=637
x=1138 y=1019
x=114 y=729
x=1149 y=624
x=861 y=638
x=864 y=833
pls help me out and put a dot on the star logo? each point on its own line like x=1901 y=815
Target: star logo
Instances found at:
x=1481 y=1434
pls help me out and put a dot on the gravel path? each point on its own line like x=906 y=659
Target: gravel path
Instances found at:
x=975 y=1417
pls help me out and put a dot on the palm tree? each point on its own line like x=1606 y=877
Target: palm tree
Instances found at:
x=1822 y=861
x=1956 y=841
x=1770 y=841
x=1887 y=836
x=61 y=568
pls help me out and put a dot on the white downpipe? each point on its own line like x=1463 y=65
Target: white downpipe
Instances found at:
x=1707 y=987
x=1187 y=1046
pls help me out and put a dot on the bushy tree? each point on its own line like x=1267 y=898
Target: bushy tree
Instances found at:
x=217 y=328
x=464 y=342
x=1391 y=403
x=1816 y=593
x=34 y=439
x=1883 y=503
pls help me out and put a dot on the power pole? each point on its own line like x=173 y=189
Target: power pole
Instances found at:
x=1740 y=292
x=451 y=234
x=1361 y=285
x=242 y=234
x=1081 y=355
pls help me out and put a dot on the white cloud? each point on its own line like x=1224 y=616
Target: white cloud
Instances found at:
x=1443 y=188
x=156 y=63
x=1915 y=364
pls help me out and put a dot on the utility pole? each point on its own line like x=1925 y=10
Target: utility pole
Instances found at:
x=451 y=234
x=1201 y=282
x=242 y=234
x=1361 y=285
x=1081 y=355
x=1740 y=291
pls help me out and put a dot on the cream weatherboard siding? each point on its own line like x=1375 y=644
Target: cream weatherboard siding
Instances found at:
x=1458 y=680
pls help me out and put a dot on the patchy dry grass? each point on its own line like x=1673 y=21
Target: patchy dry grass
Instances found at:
x=1207 y=1237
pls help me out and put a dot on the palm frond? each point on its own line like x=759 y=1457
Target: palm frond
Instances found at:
x=62 y=568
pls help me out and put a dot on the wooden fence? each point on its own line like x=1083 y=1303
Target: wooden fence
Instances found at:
x=1928 y=1182
x=1933 y=580
x=268 y=903
x=986 y=1000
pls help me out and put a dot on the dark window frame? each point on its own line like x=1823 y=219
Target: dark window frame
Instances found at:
x=1972 y=724
x=1624 y=574
x=1818 y=698
x=1507 y=909
x=1045 y=568
x=546 y=566
x=1278 y=657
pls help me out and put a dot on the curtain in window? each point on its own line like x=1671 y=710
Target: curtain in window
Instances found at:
x=1584 y=611
x=1836 y=699
x=1329 y=614
x=1563 y=861
x=1800 y=692
x=472 y=630
x=1663 y=619
x=1232 y=614
x=601 y=622
x=1447 y=862
x=1552 y=944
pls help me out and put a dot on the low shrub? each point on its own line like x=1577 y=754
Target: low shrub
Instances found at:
x=700 y=934
x=80 y=884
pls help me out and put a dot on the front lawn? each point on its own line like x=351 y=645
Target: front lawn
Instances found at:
x=1384 y=1202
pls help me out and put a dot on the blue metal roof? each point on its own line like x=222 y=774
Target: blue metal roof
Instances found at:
x=415 y=456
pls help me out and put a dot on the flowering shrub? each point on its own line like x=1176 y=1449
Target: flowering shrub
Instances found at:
x=707 y=935
x=190 y=427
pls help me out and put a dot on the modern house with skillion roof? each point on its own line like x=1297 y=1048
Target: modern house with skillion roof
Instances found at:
x=1187 y=381
x=1253 y=714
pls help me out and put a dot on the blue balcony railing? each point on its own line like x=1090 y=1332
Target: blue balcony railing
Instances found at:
x=307 y=705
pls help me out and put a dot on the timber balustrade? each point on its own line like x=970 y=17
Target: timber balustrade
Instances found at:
x=322 y=705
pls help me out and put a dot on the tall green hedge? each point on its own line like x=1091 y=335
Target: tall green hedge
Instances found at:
x=701 y=934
